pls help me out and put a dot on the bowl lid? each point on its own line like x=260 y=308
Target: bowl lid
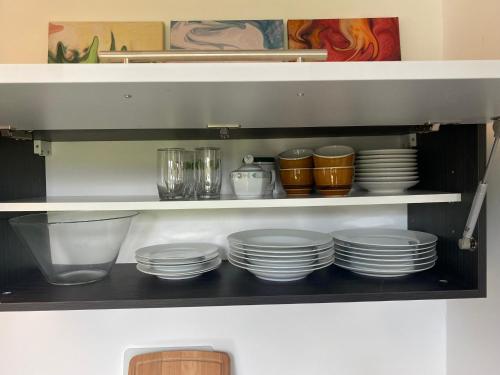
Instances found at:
x=249 y=166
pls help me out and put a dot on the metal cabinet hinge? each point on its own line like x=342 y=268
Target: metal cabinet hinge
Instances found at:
x=410 y=140
x=8 y=131
x=428 y=128
x=42 y=148
x=224 y=129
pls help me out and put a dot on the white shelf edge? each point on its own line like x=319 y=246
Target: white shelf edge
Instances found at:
x=153 y=204
x=248 y=71
x=192 y=95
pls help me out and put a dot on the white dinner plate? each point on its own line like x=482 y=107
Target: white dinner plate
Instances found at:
x=385 y=161
x=378 y=165
x=398 y=258
x=386 y=179
x=176 y=275
x=181 y=276
x=280 y=253
x=386 y=265
x=178 y=252
x=280 y=275
x=389 y=151
x=279 y=238
x=375 y=250
x=280 y=259
x=384 y=238
x=384 y=257
x=346 y=265
x=283 y=258
x=387 y=187
x=297 y=264
x=266 y=261
x=386 y=157
x=387 y=255
x=193 y=267
x=386 y=174
x=386 y=170
x=303 y=251
x=176 y=262
x=245 y=264
x=181 y=268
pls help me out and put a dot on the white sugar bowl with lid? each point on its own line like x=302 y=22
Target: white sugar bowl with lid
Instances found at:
x=250 y=180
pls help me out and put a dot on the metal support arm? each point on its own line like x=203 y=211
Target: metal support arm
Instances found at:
x=467 y=242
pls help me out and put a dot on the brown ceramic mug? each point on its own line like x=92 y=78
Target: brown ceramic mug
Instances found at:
x=296 y=158
x=297 y=181
x=333 y=156
x=335 y=177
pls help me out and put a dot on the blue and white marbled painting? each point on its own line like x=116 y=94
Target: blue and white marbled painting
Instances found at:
x=227 y=35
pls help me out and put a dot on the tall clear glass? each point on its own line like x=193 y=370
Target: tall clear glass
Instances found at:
x=171 y=173
x=208 y=172
x=189 y=168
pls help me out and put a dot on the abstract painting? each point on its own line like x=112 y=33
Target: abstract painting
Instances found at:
x=227 y=35
x=79 y=42
x=356 y=39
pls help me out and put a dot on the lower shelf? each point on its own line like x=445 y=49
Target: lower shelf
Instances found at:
x=148 y=203
x=128 y=288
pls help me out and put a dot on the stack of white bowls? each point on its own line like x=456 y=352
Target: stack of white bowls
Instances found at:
x=280 y=254
x=178 y=261
x=387 y=171
x=384 y=252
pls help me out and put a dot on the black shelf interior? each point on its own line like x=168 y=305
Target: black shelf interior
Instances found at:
x=451 y=159
x=126 y=287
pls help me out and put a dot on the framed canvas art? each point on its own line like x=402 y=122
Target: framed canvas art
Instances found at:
x=79 y=42
x=355 y=39
x=227 y=35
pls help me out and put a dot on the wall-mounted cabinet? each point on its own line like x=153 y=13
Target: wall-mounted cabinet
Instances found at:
x=255 y=95
x=373 y=104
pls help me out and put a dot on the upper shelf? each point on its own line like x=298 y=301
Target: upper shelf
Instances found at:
x=255 y=95
x=149 y=203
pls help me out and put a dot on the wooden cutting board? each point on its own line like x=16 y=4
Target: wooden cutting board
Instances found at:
x=180 y=362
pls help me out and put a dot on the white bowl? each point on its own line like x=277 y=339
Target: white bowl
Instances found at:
x=266 y=262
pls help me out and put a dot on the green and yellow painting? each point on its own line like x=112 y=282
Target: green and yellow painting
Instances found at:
x=80 y=42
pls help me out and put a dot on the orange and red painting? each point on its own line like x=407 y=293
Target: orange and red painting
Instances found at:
x=355 y=39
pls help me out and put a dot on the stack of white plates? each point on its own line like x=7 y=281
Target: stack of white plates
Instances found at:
x=280 y=254
x=387 y=171
x=178 y=261
x=384 y=252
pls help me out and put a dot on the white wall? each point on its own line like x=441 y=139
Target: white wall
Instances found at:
x=470 y=29
x=351 y=339
x=473 y=326
x=23 y=24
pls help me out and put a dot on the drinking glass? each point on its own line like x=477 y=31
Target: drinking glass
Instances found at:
x=189 y=174
x=208 y=172
x=171 y=173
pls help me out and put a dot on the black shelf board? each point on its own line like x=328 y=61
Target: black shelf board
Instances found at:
x=128 y=288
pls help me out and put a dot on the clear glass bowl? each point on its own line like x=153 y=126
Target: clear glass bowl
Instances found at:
x=74 y=248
